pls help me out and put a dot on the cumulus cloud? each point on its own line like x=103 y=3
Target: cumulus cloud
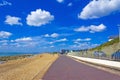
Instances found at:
x=25 y=39
x=70 y=4
x=27 y=42
x=60 y=1
x=52 y=46
x=4 y=34
x=82 y=29
x=11 y=20
x=79 y=40
x=39 y=18
x=3 y=43
x=54 y=35
x=61 y=40
x=98 y=28
x=46 y=35
x=84 y=45
x=5 y=3
x=91 y=28
x=99 y=8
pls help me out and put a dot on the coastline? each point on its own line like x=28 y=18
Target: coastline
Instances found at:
x=2 y=54
x=4 y=59
x=29 y=68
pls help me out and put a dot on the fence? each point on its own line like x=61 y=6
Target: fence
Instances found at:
x=97 y=55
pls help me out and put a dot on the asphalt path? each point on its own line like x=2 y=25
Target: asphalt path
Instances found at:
x=65 y=68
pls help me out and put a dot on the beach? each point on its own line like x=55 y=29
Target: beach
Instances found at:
x=27 y=68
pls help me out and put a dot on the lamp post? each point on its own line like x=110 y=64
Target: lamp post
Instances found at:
x=119 y=34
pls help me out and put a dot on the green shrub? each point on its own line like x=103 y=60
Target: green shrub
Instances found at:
x=6 y=58
x=116 y=40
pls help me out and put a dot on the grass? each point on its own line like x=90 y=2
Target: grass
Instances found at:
x=7 y=58
x=116 y=40
x=27 y=68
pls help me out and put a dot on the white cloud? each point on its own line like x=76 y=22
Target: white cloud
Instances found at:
x=4 y=34
x=23 y=42
x=54 y=35
x=25 y=39
x=11 y=20
x=82 y=29
x=70 y=4
x=3 y=41
x=5 y=3
x=39 y=18
x=52 y=46
x=91 y=28
x=60 y=1
x=4 y=44
x=85 y=45
x=79 y=39
x=28 y=42
x=61 y=40
x=47 y=35
x=51 y=42
x=99 y=8
x=98 y=28
x=33 y=43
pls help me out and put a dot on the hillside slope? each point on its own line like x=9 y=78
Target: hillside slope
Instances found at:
x=110 y=43
x=108 y=47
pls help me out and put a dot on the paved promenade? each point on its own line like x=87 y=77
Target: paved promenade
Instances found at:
x=66 y=68
x=107 y=63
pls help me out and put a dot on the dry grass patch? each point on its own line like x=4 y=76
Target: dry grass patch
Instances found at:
x=28 y=68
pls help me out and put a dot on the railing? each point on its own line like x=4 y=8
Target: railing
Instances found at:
x=91 y=55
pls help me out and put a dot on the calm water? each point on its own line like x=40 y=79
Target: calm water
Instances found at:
x=14 y=54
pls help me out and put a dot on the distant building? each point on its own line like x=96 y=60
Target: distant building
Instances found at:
x=75 y=50
x=64 y=51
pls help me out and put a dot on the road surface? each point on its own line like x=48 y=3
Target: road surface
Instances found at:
x=65 y=68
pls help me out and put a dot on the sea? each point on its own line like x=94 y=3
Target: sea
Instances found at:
x=15 y=53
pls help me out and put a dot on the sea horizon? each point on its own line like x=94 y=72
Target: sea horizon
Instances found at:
x=17 y=53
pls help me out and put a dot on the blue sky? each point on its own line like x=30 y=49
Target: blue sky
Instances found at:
x=52 y=25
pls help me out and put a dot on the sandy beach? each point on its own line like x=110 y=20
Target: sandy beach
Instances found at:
x=27 y=68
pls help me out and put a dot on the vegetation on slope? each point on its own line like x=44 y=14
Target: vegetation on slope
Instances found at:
x=116 y=40
x=6 y=58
